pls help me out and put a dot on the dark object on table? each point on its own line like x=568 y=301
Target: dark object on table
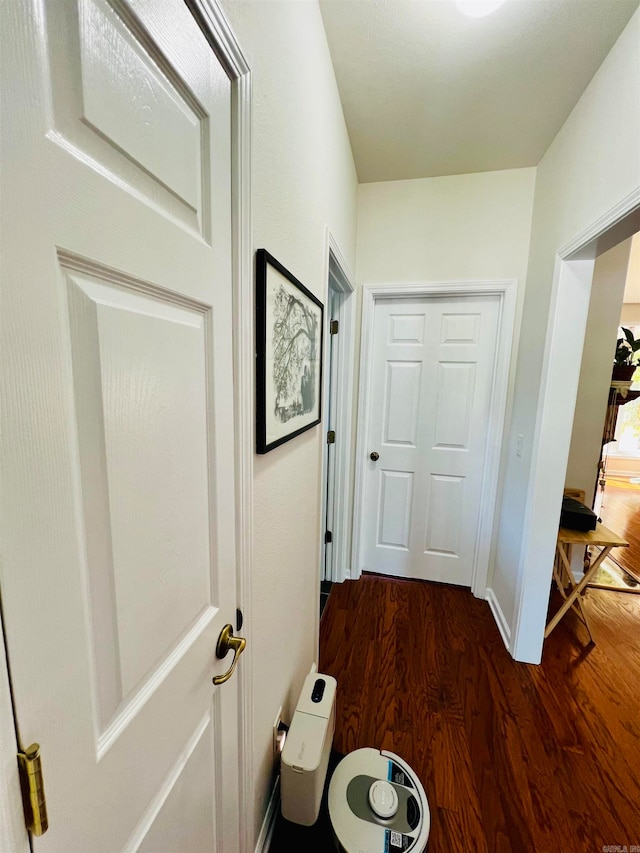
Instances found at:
x=577 y=516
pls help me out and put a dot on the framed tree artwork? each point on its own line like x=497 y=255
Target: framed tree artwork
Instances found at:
x=288 y=355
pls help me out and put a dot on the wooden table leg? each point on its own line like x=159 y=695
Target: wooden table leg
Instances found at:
x=564 y=577
x=576 y=588
x=558 y=571
x=565 y=558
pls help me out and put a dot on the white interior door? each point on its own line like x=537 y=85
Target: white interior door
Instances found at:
x=432 y=373
x=117 y=507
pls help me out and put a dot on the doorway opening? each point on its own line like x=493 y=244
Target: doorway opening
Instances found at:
x=572 y=291
x=335 y=535
x=617 y=490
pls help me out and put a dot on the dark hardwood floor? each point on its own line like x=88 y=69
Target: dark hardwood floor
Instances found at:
x=620 y=512
x=514 y=758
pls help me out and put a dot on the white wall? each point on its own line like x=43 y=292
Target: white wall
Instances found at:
x=457 y=228
x=303 y=178
x=591 y=166
x=609 y=279
x=461 y=227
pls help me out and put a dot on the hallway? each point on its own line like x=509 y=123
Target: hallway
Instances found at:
x=513 y=757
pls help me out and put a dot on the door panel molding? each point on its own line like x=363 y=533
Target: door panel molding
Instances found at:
x=196 y=741
x=214 y=25
x=506 y=292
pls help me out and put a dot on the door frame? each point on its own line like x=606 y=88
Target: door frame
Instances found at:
x=217 y=30
x=341 y=367
x=566 y=326
x=506 y=292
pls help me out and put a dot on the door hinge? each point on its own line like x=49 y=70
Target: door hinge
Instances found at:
x=32 y=784
x=333 y=327
x=331 y=436
x=328 y=537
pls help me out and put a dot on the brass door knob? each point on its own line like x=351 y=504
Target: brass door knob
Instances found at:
x=226 y=642
x=374 y=456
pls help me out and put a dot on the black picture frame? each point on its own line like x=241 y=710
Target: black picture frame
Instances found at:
x=289 y=331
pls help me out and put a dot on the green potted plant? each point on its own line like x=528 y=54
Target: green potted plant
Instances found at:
x=624 y=361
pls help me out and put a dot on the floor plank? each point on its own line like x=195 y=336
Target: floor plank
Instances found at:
x=513 y=757
x=619 y=508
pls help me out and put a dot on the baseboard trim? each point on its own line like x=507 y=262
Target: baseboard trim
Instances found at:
x=498 y=615
x=269 y=822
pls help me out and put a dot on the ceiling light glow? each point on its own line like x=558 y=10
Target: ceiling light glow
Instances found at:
x=478 y=8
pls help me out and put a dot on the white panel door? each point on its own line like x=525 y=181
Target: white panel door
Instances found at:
x=432 y=373
x=117 y=512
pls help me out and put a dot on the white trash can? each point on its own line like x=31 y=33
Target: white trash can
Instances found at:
x=306 y=752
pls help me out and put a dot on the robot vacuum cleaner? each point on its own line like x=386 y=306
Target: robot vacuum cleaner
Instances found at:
x=377 y=804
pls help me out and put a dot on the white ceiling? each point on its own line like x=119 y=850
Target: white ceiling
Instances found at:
x=427 y=90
